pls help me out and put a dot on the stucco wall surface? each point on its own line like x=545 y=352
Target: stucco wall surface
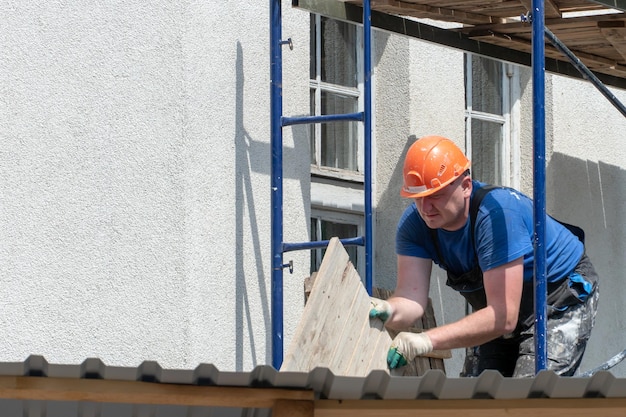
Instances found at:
x=587 y=186
x=134 y=176
x=135 y=211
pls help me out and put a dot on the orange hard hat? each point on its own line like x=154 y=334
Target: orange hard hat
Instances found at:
x=431 y=163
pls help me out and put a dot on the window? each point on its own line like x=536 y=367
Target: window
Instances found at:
x=325 y=225
x=336 y=84
x=491 y=95
x=335 y=88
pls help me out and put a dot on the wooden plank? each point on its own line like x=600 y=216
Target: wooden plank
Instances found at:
x=299 y=356
x=427 y=322
x=292 y=408
x=555 y=25
x=404 y=8
x=350 y=345
x=537 y=407
x=382 y=340
x=335 y=330
x=551 y=10
x=615 y=33
x=334 y=321
x=138 y=392
x=593 y=62
x=366 y=354
x=419 y=365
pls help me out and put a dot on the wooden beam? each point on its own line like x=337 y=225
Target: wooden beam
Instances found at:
x=615 y=33
x=138 y=392
x=451 y=38
x=404 y=8
x=540 y=407
x=613 y=4
x=554 y=24
x=551 y=10
x=335 y=331
x=593 y=62
x=293 y=408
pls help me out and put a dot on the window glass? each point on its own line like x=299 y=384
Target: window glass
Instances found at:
x=324 y=230
x=487 y=151
x=339 y=139
x=338 y=53
x=334 y=90
x=487 y=119
x=486 y=85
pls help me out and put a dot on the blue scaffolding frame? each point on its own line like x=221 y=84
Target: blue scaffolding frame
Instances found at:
x=278 y=121
x=539 y=183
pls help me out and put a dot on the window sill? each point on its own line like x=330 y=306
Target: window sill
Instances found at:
x=337 y=174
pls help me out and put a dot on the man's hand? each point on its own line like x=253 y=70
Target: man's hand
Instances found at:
x=406 y=346
x=381 y=309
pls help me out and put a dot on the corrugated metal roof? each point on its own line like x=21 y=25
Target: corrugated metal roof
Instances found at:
x=23 y=398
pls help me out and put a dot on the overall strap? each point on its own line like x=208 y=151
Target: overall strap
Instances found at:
x=479 y=194
x=477 y=198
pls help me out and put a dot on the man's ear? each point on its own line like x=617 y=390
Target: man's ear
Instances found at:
x=467 y=185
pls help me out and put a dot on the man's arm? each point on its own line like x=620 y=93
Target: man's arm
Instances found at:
x=410 y=298
x=503 y=287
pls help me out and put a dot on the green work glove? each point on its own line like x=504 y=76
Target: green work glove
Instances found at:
x=406 y=346
x=381 y=309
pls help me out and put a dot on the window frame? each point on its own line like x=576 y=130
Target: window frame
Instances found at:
x=341 y=217
x=509 y=157
x=318 y=87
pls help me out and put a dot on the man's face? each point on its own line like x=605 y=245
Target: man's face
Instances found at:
x=447 y=208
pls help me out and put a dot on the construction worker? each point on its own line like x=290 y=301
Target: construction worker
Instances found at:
x=486 y=248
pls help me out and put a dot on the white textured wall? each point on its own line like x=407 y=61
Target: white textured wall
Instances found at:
x=135 y=178
x=134 y=175
x=587 y=186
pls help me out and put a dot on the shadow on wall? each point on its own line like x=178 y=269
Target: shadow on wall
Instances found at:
x=253 y=156
x=388 y=211
x=591 y=195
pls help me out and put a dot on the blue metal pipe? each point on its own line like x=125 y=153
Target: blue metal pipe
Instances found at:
x=276 y=182
x=353 y=241
x=539 y=186
x=288 y=121
x=277 y=122
x=367 y=63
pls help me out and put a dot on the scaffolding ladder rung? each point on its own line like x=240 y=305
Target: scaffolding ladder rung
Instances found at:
x=352 y=241
x=288 y=121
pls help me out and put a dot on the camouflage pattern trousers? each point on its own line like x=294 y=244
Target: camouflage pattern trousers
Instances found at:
x=567 y=336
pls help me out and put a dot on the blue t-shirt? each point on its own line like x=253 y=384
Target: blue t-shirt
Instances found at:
x=504 y=232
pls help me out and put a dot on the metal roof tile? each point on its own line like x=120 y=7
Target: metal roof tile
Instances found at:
x=325 y=385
